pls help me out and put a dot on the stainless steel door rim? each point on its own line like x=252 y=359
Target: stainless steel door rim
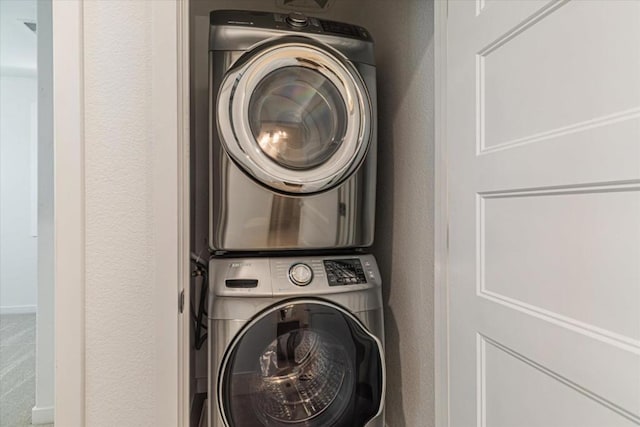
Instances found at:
x=234 y=122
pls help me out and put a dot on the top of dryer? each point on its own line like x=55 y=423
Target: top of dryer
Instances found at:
x=241 y=29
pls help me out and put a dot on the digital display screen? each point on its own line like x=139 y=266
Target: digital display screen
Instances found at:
x=341 y=272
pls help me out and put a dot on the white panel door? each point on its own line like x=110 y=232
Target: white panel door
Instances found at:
x=543 y=141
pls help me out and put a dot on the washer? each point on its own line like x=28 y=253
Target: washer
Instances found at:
x=296 y=342
x=292 y=133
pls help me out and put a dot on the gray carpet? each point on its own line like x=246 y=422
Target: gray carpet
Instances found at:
x=17 y=369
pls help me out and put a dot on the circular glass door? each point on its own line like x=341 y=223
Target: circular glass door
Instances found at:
x=298 y=117
x=295 y=115
x=306 y=363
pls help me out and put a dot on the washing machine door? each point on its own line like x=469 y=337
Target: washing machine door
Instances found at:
x=295 y=115
x=302 y=363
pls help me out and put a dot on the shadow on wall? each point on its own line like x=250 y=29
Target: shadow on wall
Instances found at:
x=404 y=223
x=394 y=408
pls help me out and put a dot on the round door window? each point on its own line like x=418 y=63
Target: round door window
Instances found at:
x=295 y=115
x=298 y=117
x=302 y=364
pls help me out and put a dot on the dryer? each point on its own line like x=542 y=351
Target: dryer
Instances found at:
x=292 y=133
x=296 y=342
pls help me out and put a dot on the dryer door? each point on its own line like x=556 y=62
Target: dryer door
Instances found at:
x=295 y=115
x=302 y=363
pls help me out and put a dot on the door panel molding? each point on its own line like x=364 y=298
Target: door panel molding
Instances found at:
x=621 y=116
x=625 y=342
x=483 y=342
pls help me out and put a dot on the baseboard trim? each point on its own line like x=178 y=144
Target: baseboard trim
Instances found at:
x=42 y=415
x=18 y=309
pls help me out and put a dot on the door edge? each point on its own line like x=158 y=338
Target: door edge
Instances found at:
x=441 y=220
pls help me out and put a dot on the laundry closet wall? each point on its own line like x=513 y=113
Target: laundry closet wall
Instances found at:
x=403 y=32
x=130 y=220
x=119 y=232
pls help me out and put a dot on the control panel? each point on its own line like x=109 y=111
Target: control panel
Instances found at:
x=342 y=272
x=323 y=274
x=293 y=276
x=291 y=21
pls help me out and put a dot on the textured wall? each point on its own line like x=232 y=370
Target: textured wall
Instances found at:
x=403 y=31
x=404 y=245
x=120 y=352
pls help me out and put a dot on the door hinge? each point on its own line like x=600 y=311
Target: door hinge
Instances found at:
x=181 y=302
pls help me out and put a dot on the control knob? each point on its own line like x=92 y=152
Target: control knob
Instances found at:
x=300 y=274
x=297 y=19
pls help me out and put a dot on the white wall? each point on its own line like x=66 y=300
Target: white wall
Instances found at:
x=403 y=31
x=26 y=199
x=18 y=250
x=131 y=159
x=18 y=198
x=17 y=42
x=120 y=353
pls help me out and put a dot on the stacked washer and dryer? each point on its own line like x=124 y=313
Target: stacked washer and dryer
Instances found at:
x=295 y=310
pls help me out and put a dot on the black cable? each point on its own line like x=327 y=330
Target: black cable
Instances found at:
x=194 y=317
x=199 y=316
x=201 y=338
